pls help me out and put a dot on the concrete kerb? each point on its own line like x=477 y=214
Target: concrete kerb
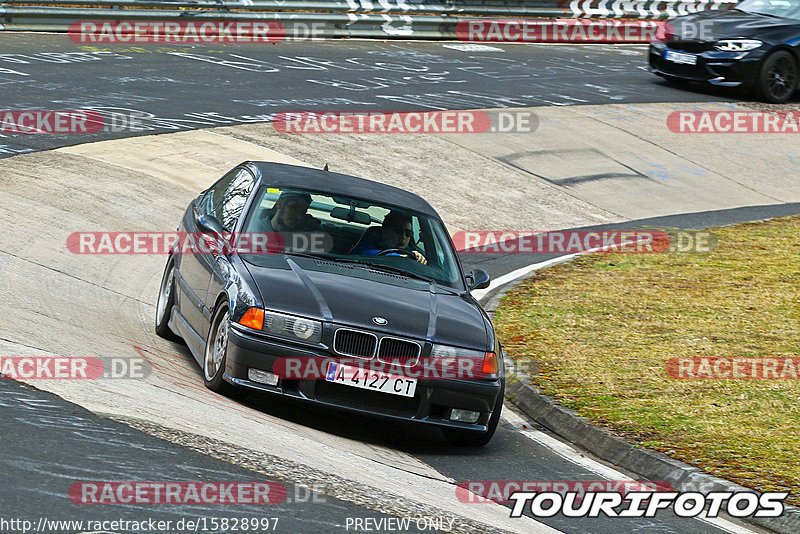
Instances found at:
x=651 y=465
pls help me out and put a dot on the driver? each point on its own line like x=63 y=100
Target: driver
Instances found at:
x=395 y=232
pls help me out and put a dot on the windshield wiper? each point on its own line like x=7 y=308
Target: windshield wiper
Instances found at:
x=388 y=268
x=310 y=255
x=403 y=272
x=377 y=267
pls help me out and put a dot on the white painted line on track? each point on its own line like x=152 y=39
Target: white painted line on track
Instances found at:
x=574 y=456
x=479 y=294
x=568 y=452
x=519 y=273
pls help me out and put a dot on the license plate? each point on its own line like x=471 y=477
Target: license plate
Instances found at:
x=680 y=57
x=369 y=379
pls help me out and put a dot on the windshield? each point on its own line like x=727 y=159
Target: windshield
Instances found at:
x=789 y=9
x=354 y=231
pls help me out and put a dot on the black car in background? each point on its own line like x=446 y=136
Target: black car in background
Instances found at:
x=244 y=314
x=755 y=46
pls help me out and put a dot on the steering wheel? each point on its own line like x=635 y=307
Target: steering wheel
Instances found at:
x=398 y=251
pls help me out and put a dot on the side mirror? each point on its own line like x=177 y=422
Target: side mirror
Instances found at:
x=477 y=279
x=208 y=224
x=215 y=237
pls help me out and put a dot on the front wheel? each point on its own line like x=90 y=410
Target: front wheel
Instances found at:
x=777 y=79
x=463 y=438
x=166 y=301
x=216 y=354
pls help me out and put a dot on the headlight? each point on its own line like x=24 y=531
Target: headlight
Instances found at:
x=738 y=45
x=293 y=327
x=443 y=351
x=482 y=362
x=303 y=328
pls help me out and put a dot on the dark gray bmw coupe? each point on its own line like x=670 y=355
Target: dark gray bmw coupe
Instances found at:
x=333 y=290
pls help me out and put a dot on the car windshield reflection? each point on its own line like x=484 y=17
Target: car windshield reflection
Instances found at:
x=789 y=9
x=352 y=231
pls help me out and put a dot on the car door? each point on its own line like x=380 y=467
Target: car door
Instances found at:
x=196 y=268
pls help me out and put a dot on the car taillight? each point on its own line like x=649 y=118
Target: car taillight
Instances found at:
x=489 y=363
x=253 y=318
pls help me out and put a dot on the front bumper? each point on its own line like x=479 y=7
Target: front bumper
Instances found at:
x=431 y=403
x=714 y=67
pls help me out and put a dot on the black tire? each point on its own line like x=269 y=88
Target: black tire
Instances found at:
x=463 y=438
x=777 y=78
x=166 y=291
x=215 y=354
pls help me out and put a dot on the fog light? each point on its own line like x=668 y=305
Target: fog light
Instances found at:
x=262 y=377
x=464 y=416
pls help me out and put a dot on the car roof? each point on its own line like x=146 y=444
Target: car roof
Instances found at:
x=293 y=176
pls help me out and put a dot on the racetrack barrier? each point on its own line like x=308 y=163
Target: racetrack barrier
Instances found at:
x=385 y=19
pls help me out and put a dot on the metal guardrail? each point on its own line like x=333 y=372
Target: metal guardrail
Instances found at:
x=384 y=19
x=497 y=8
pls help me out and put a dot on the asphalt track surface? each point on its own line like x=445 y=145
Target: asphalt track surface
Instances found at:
x=48 y=444
x=198 y=87
x=176 y=87
x=55 y=443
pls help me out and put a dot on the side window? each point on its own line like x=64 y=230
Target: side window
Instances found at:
x=215 y=192
x=435 y=253
x=417 y=238
x=226 y=199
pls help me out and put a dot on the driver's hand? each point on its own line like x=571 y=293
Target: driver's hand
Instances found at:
x=420 y=258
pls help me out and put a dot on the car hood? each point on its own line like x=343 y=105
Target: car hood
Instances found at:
x=729 y=24
x=353 y=295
